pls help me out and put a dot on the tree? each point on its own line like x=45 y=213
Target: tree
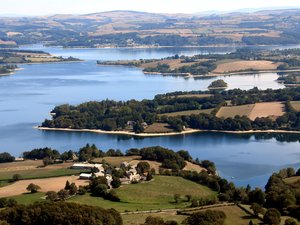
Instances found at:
x=67 y=186
x=16 y=177
x=52 y=196
x=143 y=167
x=290 y=172
x=272 y=217
x=33 y=188
x=47 y=161
x=257 y=195
x=116 y=182
x=6 y=157
x=63 y=194
x=100 y=190
x=63 y=213
x=257 y=209
x=73 y=189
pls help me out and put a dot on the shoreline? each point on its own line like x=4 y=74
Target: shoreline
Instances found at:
x=188 y=131
x=153 y=47
x=189 y=75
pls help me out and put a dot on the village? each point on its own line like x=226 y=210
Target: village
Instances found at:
x=94 y=170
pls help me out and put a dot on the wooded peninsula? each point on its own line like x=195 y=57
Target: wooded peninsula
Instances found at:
x=228 y=111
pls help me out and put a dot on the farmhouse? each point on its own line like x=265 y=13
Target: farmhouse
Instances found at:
x=87 y=166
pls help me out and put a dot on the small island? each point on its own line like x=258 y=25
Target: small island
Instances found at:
x=218 y=85
x=292 y=79
x=243 y=61
x=7 y=70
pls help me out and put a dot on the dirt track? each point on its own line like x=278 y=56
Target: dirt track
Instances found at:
x=48 y=184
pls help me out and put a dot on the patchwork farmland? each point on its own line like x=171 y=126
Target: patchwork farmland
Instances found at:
x=253 y=111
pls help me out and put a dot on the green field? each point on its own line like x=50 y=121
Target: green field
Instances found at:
x=296 y=105
x=156 y=194
x=234 y=216
x=38 y=173
x=29 y=198
x=188 y=112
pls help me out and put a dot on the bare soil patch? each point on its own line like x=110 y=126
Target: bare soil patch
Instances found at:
x=158 y=128
x=296 y=105
x=232 y=111
x=267 y=109
x=244 y=65
x=193 y=167
x=49 y=184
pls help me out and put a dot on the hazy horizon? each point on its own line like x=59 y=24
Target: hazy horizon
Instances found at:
x=47 y=7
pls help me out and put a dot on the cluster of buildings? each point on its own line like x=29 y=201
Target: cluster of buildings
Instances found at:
x=97 y=170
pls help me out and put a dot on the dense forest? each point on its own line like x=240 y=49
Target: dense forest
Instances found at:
x=62 y=213
x=111 y=115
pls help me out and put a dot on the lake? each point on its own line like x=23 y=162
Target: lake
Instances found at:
x=27 y=97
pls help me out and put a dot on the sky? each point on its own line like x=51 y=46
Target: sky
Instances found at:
x=48 y=7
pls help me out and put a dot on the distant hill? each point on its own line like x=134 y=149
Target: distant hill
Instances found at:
x=132 y=28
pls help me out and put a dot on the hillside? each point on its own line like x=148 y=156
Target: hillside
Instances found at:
x=136 y=29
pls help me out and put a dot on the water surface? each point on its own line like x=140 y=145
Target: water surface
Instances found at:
x=27 y=97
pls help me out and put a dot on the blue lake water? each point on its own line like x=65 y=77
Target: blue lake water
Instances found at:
x=27 y=97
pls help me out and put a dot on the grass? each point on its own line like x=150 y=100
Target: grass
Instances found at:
x=296 y=105
x=4 y=183
x=232 y=111
x=38 y=173
x=156 y=194
x=234 y=216
x=116 y=161
x=188 y=112
x=29 y=198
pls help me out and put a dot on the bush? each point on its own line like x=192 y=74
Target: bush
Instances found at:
x=82 y=190
x=52 y=196
x=272 y=217
x=214 y=217
x=16 y=177
x=33 y=188
x=116 y=182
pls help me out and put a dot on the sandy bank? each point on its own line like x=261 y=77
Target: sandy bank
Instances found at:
x=188 y=131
